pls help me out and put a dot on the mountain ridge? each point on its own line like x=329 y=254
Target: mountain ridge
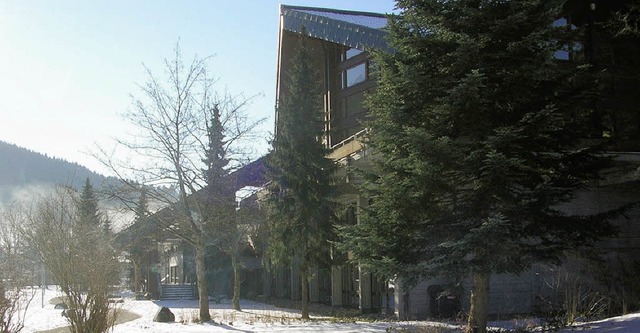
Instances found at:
x=21 y=167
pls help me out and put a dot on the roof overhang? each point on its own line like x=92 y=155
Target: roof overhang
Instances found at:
x=360 y=30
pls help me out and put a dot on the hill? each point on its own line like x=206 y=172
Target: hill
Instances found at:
x=21 y=168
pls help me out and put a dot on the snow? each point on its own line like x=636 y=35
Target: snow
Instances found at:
x=257 y=317
x=622 y=324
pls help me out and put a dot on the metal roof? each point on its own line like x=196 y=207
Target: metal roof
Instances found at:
x=367 y=20
x=360 y=30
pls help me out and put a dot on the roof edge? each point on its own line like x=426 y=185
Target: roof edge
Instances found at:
x=349 y=34
x=331 y=10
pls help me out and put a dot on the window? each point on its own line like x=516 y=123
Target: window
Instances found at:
x=571 y=49
x=353 y=104
x=568 y=51
x=349 y=53
x=354 y=67
x=561 y=22
x=355 y=75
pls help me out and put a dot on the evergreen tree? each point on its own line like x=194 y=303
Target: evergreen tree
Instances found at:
x=220 y=212
x=215 y=156
x=141 y=209
x=139 y=246
x=481 y=137
x=106 y=226
x=88 y=212
x=615 y=47
x=300 y=211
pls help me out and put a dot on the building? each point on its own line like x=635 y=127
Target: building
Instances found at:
x=163 y=264
x=339 y=42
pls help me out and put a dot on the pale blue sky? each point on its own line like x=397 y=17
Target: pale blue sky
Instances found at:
x=67 y=67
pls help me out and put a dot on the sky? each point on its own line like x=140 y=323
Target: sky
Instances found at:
x=68 y=68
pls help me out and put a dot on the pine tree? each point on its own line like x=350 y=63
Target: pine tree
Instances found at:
x=141 y=209
x=106 y=227
x=138 y=247
x=300 y=211
x=220 y=212
x=480 y=133
x=215 y=156
x=88 y=212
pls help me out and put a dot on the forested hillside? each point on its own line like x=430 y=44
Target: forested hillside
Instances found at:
x=20 y=167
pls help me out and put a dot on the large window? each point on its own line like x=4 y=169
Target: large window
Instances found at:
x=355 y=80
x=354 y=67
x=355 y=75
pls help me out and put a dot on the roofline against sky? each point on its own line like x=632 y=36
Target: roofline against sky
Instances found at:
x=331 y=10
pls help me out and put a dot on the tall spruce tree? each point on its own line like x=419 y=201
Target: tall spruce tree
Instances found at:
x=139 y=246
x=300 y=209
x=480 y=133
x=141 y=209
x=220 y=207
x=215 y=156
x=88 y=212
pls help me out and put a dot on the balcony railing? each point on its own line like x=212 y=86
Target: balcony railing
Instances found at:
x=351 y=147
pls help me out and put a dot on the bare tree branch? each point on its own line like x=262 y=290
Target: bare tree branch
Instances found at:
x=171 y=118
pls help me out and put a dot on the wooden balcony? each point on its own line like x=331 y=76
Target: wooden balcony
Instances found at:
x=353 y=147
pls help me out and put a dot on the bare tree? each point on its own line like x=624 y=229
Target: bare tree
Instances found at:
x=79 y=258
x=171 y=115
x=15 y=272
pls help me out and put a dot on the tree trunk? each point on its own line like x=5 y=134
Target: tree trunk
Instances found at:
x=477 y=321
x=236 y=282
x=137 y=278
x=201 y=276
x=304 y=292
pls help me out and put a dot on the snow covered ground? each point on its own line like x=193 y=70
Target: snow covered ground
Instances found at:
x=259 y=317
x=255 y=317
